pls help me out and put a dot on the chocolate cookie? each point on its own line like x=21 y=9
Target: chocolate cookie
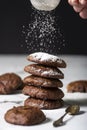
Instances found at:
x=43 y=93
x=42 y=82
x=24 y=115
x=44 y=104
x=44 y=71
x=46 y=59
x=77 y=86
x=9 y=82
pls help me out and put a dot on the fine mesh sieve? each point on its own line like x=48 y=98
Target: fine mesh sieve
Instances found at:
x=46 y=5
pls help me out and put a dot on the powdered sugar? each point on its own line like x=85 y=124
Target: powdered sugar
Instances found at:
x=44 y=71
x=48 y=72
x=45 y=57
x=52 y=73
x=43 y=33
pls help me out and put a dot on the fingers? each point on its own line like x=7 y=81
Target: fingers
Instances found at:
x=77 y=2
x=73 y=2
x=83 y=13
x=76 y=5
x=77 y=8
x=83 y=2
x=80 y=6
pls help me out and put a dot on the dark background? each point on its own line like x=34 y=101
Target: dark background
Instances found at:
x=15 y=13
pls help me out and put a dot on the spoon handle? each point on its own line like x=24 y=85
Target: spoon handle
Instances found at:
x=59 y=122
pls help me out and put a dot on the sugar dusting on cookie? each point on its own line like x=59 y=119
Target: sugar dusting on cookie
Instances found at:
x=45 y=57
x=44 y=71
x=43 y=33
x=52 y=72
x=48 y=71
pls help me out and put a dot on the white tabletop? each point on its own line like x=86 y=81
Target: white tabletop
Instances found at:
x=76 y=70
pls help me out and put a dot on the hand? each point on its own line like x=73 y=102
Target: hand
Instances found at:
x=80 y=6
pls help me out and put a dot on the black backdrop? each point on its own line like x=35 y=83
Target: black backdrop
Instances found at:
x=15 y=13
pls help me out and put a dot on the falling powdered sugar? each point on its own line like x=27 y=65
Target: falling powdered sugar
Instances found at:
x=43 y=33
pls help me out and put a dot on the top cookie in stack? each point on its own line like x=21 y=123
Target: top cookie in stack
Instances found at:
x=46 y=59
x=43 y=85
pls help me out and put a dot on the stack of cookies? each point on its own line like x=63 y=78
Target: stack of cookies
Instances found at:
x=43 y=83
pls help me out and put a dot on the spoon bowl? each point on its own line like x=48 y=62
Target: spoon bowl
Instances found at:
x=73 y=109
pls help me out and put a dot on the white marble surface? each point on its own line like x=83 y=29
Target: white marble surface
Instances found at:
x=76 y=70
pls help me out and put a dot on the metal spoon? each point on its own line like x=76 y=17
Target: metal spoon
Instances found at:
x=72 y=110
